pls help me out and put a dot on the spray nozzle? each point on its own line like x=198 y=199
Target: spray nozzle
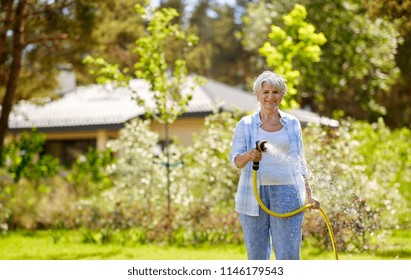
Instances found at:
x=261 y=147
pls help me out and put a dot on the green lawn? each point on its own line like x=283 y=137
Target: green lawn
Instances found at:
x=69 y=246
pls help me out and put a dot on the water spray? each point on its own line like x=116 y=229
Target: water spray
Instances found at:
x=261 y=146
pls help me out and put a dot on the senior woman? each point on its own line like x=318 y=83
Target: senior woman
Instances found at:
x=282 y=176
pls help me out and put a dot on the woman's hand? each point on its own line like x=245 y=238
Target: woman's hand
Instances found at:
x=254 y=155
x=310 y=199
x=315 y=202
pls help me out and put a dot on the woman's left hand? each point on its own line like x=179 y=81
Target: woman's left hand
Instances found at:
x=315 y=202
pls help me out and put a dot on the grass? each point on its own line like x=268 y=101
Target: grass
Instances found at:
x=41 y=245
x=68 y=245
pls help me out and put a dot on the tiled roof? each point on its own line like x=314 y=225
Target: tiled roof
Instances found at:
x=94 y=105
x=105 y=106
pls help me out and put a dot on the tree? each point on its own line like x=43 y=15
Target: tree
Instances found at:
x=295 y=46
x=257 y=20
x=16 y=24
x=357 y=62
x=398 y=99
x=218 y=54
x=113 y=36
x=34 y=37
x=160 y=62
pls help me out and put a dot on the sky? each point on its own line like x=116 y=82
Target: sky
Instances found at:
x=191 y=3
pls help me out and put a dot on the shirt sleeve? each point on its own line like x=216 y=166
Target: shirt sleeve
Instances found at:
x=239 y=143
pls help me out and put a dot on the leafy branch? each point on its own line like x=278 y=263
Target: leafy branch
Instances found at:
x=297 y=44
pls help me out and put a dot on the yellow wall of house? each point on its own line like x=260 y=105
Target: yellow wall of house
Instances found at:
x=182 y=129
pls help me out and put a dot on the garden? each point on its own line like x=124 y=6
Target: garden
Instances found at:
x=360 y=172
x=133 y=200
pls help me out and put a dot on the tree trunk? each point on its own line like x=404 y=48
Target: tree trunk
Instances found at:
x=169 y=213
x=3 y=33
x=13 y=76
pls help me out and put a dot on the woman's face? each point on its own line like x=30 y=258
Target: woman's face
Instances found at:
x=269 y=96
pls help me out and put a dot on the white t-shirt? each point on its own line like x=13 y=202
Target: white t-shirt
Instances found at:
x=276 y=166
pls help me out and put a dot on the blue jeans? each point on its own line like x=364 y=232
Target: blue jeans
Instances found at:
x=286 y=234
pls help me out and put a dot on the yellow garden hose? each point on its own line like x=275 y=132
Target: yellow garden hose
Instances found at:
x=292 y=213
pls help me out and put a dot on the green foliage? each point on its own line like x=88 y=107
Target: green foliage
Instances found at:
x=160 y=62
x=23 y=158
x=258 y=16
x=106 y=72
x=35 y=205
x=398 y=99
x=88 y=175
x=392 y=9
x=24 y=181
x=294 y=46
x=63 y=29
x=118 y=27
x=218 y=54
x=358 y=61
x=166 y=76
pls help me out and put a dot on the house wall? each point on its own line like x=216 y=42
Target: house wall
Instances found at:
x=183 y=129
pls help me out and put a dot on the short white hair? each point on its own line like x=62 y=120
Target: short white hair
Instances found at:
x=271 y=78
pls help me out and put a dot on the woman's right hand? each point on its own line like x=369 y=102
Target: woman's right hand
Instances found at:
x=254 y=155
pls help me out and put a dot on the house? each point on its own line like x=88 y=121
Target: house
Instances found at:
x=92 y=115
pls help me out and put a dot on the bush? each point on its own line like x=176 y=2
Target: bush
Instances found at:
x=37 y=192
x=24 y=180
x=23 y=158
x=88 y=174
x=358 y=169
